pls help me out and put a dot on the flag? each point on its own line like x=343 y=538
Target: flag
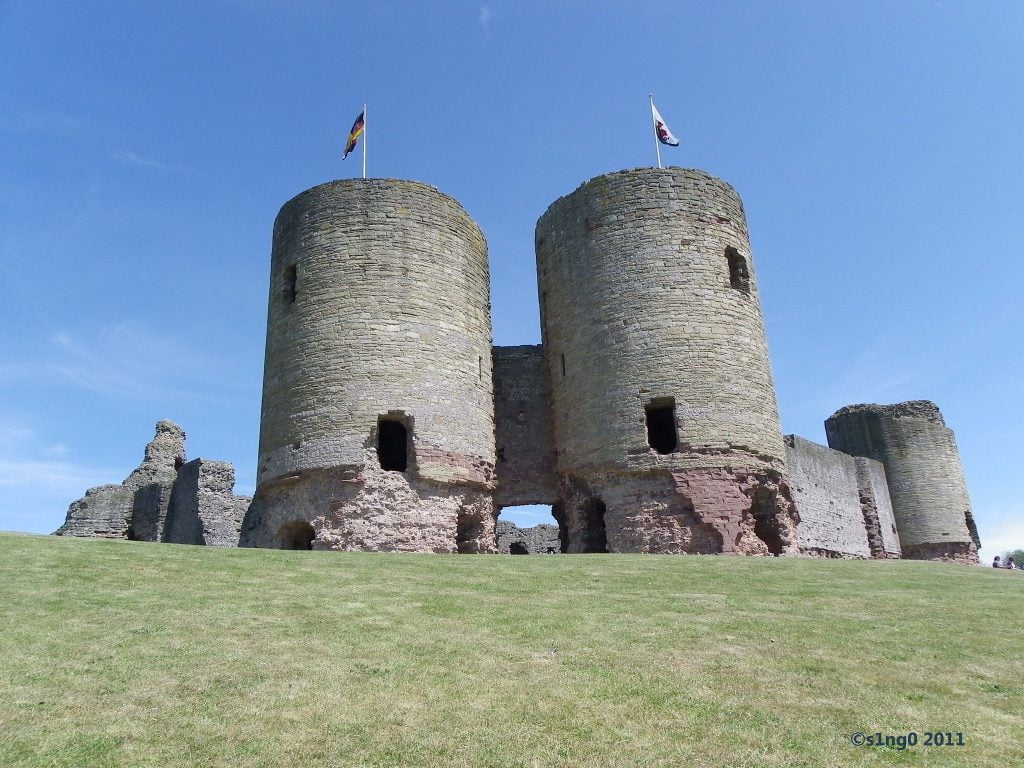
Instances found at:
x=355 y=133
x=661 y=130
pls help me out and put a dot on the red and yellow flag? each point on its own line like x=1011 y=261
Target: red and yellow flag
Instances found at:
x=355 y=133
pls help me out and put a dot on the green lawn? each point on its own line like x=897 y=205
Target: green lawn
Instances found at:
x=131 y=654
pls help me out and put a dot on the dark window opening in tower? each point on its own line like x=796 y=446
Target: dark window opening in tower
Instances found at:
x=764 y=508
x=392 y=445
x=518 y=548
x=593 y=536
x=563 y=365
x=739 y=275
x=290 y=280
x=178 y=463
x=297 y=534
x=661 y=425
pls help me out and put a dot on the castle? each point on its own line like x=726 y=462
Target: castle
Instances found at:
x=646 y=417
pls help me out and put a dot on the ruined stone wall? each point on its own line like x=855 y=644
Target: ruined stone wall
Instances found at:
x=537 y=540
x=164 y=499
x=137 y=507
x=379 y=308
x=827 y=495
x=923 y=472
x=648 y=301
x=526 y=459
x=876 y=503
x=203 y=508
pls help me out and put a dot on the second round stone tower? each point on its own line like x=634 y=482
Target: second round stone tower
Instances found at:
x=377 y=428
x=663 y=408
x=923 y=470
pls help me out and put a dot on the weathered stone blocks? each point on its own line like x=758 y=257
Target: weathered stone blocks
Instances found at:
x=525 y=471
x=662 y=404
x=537 y=540
x=922 y=467
x=163 y=499
x=377 y=426
x=203 y=507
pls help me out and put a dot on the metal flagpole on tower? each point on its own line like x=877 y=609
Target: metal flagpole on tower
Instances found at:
x=364 y=140
x=654 y=128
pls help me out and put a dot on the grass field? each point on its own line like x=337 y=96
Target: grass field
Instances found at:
x=131 y=654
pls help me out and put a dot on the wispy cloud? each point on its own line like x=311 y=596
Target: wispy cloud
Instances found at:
x=27 y=461
x=877 y=374
x=35 y=486
x=485 y=16
x=124 y=361
x=128 y=157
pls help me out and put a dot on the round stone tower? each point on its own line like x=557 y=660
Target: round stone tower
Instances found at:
x=663 y=408
x=922 y=466
x=377 y=429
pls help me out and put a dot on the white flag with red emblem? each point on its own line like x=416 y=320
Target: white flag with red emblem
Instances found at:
x=661 y=130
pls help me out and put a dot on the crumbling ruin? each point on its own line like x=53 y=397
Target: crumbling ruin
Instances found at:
x=165 y=499
x=646 y=418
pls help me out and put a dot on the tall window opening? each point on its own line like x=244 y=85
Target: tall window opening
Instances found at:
x=392 y=445
x=739 y=274
x=290 y=280
x=297 y=534
x=661 y=424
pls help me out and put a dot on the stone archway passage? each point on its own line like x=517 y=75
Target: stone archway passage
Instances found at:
x=297 y=534
x=764 y=508
x=518 y=548
x=593 y=537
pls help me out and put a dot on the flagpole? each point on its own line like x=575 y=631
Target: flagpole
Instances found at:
x=654 y=130
x=364 y=139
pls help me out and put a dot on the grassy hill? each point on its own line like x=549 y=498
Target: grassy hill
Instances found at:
x=130 y=654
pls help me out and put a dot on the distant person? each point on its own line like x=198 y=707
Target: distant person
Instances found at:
x=1010 y=564
x=996 y=563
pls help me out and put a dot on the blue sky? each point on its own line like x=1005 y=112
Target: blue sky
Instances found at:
x=147 y=146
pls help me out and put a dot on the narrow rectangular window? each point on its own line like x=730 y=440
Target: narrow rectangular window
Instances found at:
x=661 y=425
x=563 y=365
x=739 y=274
x=290 y=280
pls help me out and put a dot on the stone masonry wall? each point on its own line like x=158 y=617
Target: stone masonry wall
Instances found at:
x=876 y=503
x=536 y=540
x=526 y=459
x=648 y=300
x=203 y=508
x=379 y=307
x=923 y=472
x=194 y=500
x=136 y=508
x=827 y=497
